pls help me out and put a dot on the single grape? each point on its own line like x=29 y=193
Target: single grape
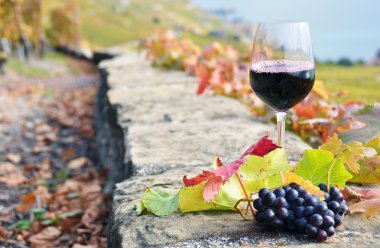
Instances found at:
x=298 y=201
x=311 y=230
x=311 y=201
x=309 y=211
x=292 y=185
x=330 y=231
x=327 y=221
x=291 y=215
x=299 y=211
x=334 y=206
x=263 y=192
x=333 y=190
x=286 y=188
x=268 y=214
x=323 y=187
x=258 y=204
x=337 y=220
x=282 y=213
x=269 y=199
x=316 y=220
x=280 y=202
x=336 y=197
x=279 y=192
x=276 y=223
x=343 y=207
x=260 y=216
x=301 y=224
x=320 y=207
x=328 y=212
x=321 y=235
x=298 y=188
x=327 y=197
x=291 y=195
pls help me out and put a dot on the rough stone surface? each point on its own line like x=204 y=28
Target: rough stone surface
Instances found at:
x=152 y=129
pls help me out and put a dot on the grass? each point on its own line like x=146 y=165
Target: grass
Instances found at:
x=40 y=68
x=360 y=82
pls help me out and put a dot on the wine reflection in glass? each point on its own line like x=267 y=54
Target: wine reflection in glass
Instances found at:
x=282 y=69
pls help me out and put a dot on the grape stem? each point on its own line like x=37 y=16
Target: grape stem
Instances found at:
x=245 y=192
x=331 y=166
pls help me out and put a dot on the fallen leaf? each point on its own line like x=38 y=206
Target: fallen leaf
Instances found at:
x=14 y=158
x=78 y=163
x=368 y=193
x=160 y=202
x=29 y=201
x=368 y=207
x=290 y=177
x=69 y=153
x=369 y=172
x=45 y=238
x=11 y=175
x=350 y=193
x=3 y=233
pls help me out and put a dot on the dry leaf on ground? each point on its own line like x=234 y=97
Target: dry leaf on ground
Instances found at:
x=82 y=246
x=14 y=158
x=11 y=175
x=78 y=163
x=45 y=238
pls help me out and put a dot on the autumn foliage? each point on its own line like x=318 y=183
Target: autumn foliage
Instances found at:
x=223 y=70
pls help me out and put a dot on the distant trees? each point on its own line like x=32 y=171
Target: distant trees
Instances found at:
x=22 y=26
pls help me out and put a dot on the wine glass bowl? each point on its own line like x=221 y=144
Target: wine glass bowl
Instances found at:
x=282 y=70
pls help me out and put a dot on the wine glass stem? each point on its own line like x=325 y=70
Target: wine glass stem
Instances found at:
x=281 y=118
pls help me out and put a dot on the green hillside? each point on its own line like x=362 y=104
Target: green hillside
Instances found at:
x=112 y=22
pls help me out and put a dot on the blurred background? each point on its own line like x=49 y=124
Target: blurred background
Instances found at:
x=345 y=34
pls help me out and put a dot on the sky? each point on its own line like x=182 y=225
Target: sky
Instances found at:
x=339 y=28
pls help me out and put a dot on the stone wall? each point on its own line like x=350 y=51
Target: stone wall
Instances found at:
x=151 y=130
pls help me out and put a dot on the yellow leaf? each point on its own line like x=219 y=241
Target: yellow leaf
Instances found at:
x=319 y=89
x=290 y=177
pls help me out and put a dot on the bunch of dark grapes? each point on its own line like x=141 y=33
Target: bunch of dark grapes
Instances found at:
x=296 y=210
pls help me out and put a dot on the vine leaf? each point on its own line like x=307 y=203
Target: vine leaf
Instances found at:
x=350 y=153
x=191 y=198
x=259 y=172
x=370 y=115
x=160 y=202
x=371 y=205
x=290 y=177
x=217 y=177
x=319 y=166
x=369 y=172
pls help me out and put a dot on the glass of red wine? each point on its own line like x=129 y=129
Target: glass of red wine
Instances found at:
x=282 y=69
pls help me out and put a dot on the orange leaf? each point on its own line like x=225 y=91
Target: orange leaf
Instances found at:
x=290 y=177
x=368 y=207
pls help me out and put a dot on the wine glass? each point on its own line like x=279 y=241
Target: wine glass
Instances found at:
x=282 y=69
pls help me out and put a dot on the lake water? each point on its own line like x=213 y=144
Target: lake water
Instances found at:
x=339 y=28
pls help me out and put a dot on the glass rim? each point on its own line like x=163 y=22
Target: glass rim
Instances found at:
x=283 y=22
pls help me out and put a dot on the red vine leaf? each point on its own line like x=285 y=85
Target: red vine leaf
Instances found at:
x=216 y=178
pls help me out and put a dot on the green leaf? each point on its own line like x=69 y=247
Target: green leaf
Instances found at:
x=259 y=172
x=72 y=195
x=316 y=164
x=160 y=202
x=39 y=213
x=370 y=115
x=50 y=222
x=21 y=224
x=191 y=198
x=70 y=214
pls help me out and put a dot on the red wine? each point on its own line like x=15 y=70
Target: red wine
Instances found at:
x=283 y=83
